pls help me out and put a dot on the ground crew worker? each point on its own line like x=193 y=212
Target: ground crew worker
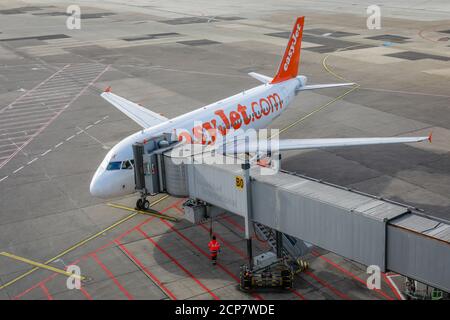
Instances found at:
x=214 y=247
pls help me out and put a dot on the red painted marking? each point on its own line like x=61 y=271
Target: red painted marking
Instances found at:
x=96 y=250
x=298 y=294
x=179 y=209
x=177 y=263
x=42 y=282
x=127 y=232
x=205 y=254
x=151 y=275
x=326 y=284
x=394 y=290
x=47 y=293
x=109 y=89
x=349 y=274
x=234 y=223
x=430 y=136
x=110 y=275
x=85 y=293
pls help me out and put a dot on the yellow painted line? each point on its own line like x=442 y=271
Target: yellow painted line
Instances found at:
x=158 y=215
x=41 y=265
x=315 y=111
x=328 y=69
x=79 y=244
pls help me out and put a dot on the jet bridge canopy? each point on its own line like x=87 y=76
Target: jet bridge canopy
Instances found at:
x=340 y=221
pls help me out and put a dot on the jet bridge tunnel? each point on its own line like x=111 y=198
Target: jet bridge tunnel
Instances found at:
x=357 y=226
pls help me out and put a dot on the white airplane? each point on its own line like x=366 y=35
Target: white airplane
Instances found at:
x=252 y=109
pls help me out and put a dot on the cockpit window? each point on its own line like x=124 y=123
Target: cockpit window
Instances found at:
x=127 y=165
x=114 y=165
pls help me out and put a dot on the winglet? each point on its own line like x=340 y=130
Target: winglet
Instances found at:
x=430 y=136
x=108 y=89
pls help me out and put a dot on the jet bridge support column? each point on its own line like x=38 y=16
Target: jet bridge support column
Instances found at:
x=247 y=218
x=279 y=243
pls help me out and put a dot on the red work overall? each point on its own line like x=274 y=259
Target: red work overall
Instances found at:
x=214 y=247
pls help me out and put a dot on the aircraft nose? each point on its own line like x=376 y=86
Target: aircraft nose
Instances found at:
x=96 y=186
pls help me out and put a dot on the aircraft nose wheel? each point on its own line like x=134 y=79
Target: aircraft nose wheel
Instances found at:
x=142 y=204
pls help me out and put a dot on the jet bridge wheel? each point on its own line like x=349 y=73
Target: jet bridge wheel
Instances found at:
x=286 y=279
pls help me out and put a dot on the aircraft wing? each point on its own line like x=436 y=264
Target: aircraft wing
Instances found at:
x=260 y=77
x=239 y=145
x=142 y=116
x=324 y=86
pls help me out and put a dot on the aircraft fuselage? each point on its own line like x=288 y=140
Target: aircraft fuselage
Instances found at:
x=255 y=108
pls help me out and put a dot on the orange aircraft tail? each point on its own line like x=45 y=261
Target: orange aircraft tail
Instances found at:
x=288 y=68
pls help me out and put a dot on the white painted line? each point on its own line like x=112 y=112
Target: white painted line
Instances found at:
x=98 y=121
x=18 y=110
x=58 y=144
x=45 y=96
x=36 y=104
x=59 y=80
x=30 y=162
x=39 y=85
x=43 y=154
x=41 y=94
x=96 y=140
x=89 y=126
x=67 y=84
x=28 y=113
x=50 y=120
x=14 y=132
x=47 y=113
x=55 y=93
x=14 y=138
x=64 y=94
x=80 y=74
x=70 y=138
x=6 y=145
x=9 y=150
x=396 y=288
x=25 y=126
x=5 y=177
x=105 y=117
x=18 y=169
x=24 y=122
x=80 y=132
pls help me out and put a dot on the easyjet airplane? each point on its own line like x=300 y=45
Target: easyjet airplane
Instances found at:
x=252 y=109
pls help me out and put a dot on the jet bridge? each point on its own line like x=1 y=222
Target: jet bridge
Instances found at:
x=361 y=227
